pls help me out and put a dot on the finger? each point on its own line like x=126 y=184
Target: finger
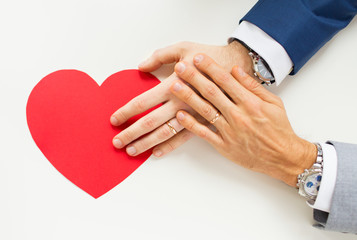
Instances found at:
x=156 y=137
x=173 y=143
x=221 y=77
x=144 y=125
x=201 y=106
x=176 y=141
x=192 y=125
x=254 y=86
x=162 y=56
x=139 y=104
x=207 y=88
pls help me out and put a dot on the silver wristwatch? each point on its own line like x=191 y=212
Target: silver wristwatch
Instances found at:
x=261 y=69
x=309 y=181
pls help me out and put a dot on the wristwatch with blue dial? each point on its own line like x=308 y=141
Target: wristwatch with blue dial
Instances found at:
x=309 y=181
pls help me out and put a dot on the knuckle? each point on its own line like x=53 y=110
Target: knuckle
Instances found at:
x=169 y=146
x=142 y=146
x=188 y=96
x=121 y=116
x=202 y=133
x=226 y=147
x=164 y=133
x=127 y=136
x=157 y=52
x=211 y=91
x=191 y=75
x=223 y=77
x=244 y=98
x=181 y=48
x=255 y=105
x=209 y=64
x=190 y=126
x=234 y=113
x=252 y=84
x=149 y=123
x=139 y=104
x=245 y=122
x=207 y=111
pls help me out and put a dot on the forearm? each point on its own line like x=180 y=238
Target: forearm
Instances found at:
x=237 y=53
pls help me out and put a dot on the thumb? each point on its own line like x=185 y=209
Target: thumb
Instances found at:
x=161 y=56
x=254 y=86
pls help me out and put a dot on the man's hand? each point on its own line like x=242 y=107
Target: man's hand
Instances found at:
x=253 y=129
x=153 y=126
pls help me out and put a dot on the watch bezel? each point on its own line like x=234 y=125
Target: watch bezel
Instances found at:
x=255 y=58
x=302 y=181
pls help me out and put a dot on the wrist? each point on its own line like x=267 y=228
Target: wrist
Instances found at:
x=302 y=156
x=239 y=55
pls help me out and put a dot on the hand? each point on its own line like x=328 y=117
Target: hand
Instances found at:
x=153 y=126
x=253 y=129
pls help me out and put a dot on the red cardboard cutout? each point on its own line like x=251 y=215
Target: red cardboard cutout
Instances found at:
x=68 y=116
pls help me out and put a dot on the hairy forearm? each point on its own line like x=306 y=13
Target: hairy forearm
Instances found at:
x=237 y=53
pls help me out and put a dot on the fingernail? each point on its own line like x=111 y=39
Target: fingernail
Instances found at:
x=198 y=58
x=180 y=67
x=157 y=153
x=114 y=121
x=180 y=116
x=131 y=150
x=117 y=143
x=241 y=72
x=177 y=87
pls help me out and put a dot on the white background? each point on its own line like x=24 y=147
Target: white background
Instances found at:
x=193 y=193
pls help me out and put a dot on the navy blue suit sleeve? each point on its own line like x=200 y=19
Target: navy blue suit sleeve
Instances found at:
x=302 y=27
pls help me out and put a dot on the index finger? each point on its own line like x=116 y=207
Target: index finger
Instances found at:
x=139 y=104
x=222 y=78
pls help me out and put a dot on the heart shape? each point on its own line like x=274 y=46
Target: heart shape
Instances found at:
x=68 y=116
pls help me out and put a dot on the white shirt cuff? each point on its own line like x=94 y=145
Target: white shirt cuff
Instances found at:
x=269 y=49
x=328 y=181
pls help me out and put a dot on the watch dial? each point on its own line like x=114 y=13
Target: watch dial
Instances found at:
x=263 y=70
x=312 y=184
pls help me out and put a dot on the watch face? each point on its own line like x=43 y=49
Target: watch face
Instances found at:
x=263 y=70
x=312 y=184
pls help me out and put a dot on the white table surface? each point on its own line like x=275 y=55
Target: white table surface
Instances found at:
x=188 y=194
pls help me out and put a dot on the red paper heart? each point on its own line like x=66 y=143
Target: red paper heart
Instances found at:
x=68 y=116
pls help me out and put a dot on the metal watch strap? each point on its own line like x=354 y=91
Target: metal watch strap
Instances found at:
x=319 y=159
x=316 y=168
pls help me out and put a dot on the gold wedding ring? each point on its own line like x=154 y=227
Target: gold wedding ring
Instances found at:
x=172 y=129
x=218 y=114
